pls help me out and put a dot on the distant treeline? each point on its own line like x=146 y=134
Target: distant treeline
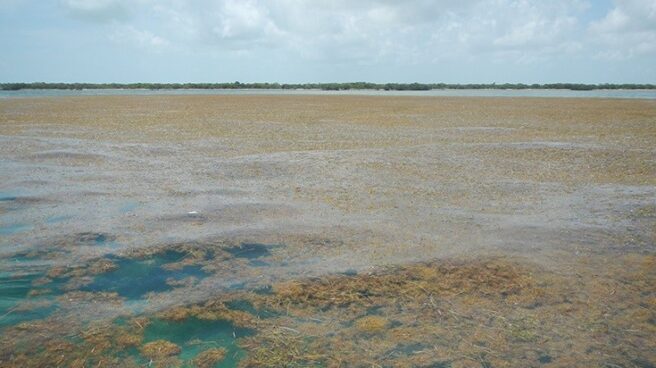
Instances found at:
x=321 y=86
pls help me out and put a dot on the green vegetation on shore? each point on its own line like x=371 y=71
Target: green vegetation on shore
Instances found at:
x=320 y=86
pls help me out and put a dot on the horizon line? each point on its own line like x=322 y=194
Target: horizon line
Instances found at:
x=359 y=85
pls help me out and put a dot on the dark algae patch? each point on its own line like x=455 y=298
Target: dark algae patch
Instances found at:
x=545 y=358
x=91 y=238
x=249 y=250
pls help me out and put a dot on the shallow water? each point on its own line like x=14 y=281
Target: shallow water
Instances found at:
x=14 y=228
x=25 y=298
x=641 y=94
x=289 y=229
x=195 y=336
x=149 y=273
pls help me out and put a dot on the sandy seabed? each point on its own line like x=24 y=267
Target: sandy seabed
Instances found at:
x=337 y=231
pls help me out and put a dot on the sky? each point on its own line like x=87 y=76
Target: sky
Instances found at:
x=301 y=41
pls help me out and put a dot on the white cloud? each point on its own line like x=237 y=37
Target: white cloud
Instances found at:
x=374 y=31
x=129 y=35
x=628 y=30
x=628 y=16
x=242 y=20
x=310 y=40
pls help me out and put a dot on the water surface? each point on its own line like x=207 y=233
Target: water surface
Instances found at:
x=560 y=93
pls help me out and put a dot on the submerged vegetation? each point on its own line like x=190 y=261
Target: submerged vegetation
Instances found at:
x=489 y=312
x=322 y=86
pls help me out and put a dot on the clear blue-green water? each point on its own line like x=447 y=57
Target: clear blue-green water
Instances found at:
x=194 y=336
x=136 y=277
x=15 y=289
x=30 y=294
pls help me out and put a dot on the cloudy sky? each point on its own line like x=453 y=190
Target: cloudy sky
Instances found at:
x=455 y=41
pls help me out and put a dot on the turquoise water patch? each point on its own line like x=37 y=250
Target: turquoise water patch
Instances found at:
x=100 y=239
x=14 y=229
x=13 y=316
x=15 y=289
x=194 y=336
x=25 y=256
x=136 y=277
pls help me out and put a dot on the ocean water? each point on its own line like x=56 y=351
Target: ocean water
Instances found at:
x=631 y=94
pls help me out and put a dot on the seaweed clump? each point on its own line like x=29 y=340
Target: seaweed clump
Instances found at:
x=160 y=349
x=211 y=311
x=459 y=313
x=209 y=358
x=492 y=278
x=371 y=324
